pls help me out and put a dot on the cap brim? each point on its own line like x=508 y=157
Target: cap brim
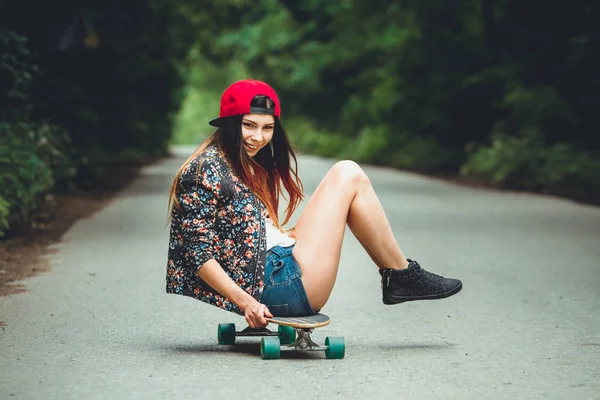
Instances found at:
x=215 y=122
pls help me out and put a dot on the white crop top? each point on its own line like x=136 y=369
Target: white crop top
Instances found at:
x=277 y=238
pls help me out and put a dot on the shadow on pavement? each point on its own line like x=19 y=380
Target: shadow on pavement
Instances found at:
x=241 y=348
x=253 y=349
x=246 y=348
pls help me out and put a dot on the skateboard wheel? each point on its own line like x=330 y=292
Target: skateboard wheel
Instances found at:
x=336 y=348
x=226 y=334
x=287 y=334
x=270 y=348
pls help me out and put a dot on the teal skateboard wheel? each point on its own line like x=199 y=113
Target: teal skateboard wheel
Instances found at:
x=270 y=348
x=336 y=348
x=287 y=334
x=226 y=334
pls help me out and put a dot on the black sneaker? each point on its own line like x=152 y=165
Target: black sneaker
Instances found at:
x=414 y=283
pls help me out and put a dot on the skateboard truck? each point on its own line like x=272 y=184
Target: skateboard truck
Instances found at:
x=303 y=341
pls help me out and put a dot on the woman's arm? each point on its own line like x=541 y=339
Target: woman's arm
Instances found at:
x=255 y=312
x=199 y=196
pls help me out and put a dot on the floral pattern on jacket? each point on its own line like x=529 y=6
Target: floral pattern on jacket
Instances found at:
x=219 y=218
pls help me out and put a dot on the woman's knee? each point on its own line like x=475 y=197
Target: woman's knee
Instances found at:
x=348 y=171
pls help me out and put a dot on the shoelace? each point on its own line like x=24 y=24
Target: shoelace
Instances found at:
x=430 y=275
x=387 y=274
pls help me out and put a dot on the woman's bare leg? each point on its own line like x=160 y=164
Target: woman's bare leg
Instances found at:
x=344 y=196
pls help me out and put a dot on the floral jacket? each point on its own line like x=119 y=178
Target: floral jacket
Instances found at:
x=221 y=219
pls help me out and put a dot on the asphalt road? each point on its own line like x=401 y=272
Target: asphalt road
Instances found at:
x=526 y=325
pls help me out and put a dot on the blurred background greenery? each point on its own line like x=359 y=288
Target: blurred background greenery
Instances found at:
x=503 y=92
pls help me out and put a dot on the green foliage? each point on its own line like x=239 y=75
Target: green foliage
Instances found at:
x=414 y=85
x=17 y=70
x=105 y=76
x=520 y=157
x=4 y=214
x=526 y=163
x=34 y=159
x=308 y=138
x=424 y=154
x=205 y=85
x=371 y=146
x=529 y=110
x=108 y=71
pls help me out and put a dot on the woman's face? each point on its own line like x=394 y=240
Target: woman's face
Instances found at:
x=257 y=132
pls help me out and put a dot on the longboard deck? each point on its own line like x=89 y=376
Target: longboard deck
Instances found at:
x=308 y=322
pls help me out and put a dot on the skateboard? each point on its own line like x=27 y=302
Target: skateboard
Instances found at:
x=293 y=334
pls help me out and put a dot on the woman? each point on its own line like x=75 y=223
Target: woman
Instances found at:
x=226 y=246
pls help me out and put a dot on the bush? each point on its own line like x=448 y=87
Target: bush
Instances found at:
x=34 y=160
x=17 y=72
x=371 y=146
x=312 y=140
x=526 y=163
x=423 y=154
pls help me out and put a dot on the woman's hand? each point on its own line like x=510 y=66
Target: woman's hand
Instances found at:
x=255 y=314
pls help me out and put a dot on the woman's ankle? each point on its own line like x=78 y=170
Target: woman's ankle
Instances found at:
x=402 y=264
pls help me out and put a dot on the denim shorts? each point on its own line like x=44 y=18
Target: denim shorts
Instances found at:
x=284 y=293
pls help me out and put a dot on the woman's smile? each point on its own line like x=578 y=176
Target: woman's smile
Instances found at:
x=251 y=147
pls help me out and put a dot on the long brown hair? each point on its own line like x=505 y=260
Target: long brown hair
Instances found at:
x=271 y=165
